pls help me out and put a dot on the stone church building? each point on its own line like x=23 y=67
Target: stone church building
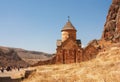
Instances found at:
x=69 y=48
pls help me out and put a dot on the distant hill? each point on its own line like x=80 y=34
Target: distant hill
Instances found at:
x=20 y=57
x=32 y=57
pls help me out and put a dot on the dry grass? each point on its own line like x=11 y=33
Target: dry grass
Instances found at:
x=105 y=68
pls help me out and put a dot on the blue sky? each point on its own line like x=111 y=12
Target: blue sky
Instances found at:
x=36 y=24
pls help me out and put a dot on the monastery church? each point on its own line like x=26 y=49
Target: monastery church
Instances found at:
x=69 y=48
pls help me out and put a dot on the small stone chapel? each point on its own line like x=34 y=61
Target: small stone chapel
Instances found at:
x=69 y=48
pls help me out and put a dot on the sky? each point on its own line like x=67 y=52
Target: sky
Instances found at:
x=36 y=24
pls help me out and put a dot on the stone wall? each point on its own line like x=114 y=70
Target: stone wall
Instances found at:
x=90 y=52
x=69 y=56
x=67 y=34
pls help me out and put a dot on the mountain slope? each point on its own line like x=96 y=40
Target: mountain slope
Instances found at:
x=104 y=68
x=32 y=57
x=16 y=57
x=8 y=57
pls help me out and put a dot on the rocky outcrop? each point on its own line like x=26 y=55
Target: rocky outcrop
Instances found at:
x=115 y=1
x=111 y=33
x=112 y=26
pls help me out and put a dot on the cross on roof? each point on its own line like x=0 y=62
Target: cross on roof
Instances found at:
x=68 y=18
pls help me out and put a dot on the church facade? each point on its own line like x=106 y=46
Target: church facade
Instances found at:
x=69 y=48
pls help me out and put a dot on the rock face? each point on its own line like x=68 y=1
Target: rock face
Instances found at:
x=115 y=1
x=112 y=26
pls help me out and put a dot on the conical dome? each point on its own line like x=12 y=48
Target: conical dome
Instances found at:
x=68 y=26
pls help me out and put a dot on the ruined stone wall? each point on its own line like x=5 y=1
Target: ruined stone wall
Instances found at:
x=90 y=52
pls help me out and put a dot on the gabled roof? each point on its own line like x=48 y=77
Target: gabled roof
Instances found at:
x=68 y=26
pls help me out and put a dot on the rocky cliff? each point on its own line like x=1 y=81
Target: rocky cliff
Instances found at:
x=110 y=35
x=112 y=26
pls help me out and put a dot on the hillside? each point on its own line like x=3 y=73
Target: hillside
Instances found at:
x=32 y=57
x=16 y=57
x=8 y=57
x=104 y=68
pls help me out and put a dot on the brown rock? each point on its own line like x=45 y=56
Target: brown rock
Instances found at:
x=112 y=26
x=115 y=1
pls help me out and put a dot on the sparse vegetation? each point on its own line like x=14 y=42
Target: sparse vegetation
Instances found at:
x=17 y=56
x=105 y=68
